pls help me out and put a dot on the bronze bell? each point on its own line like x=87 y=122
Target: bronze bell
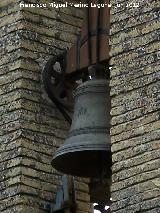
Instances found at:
x=87 y=149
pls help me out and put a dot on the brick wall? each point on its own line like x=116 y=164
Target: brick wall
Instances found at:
x=31 y=126
x=135 y=134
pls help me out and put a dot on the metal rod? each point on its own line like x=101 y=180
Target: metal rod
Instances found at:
x=89 y=41
x=97 y=34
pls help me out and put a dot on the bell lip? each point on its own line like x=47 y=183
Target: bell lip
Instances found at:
x=62 y=163
x=61 y=159
x=64 y=149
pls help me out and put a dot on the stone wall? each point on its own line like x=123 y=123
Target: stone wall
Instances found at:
x=31 y=126
x=135 y=132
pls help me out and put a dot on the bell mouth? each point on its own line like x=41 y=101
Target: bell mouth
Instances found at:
x=86 y=163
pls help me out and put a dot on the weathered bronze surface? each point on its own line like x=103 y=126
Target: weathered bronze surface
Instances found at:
x=86 y=151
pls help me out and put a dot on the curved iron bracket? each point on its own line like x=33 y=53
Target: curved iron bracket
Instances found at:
x=55 y=85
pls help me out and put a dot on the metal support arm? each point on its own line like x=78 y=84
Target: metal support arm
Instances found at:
x=65 y=199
